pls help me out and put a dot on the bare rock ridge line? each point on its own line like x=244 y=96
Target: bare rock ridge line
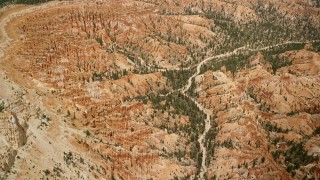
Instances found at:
x=208 y=113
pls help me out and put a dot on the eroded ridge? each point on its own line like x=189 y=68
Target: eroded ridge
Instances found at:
x=160 y=90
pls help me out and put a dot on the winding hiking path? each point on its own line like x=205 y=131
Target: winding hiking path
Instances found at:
x=208 y=112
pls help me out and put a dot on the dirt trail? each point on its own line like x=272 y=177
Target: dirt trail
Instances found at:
x=208 y=112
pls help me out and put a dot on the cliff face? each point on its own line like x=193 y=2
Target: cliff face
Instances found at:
x=13 y=136
x=160 y=89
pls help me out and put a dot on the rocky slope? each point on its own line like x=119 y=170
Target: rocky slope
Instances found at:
x=263 y=117
x=160 y=89
x=13 y=136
